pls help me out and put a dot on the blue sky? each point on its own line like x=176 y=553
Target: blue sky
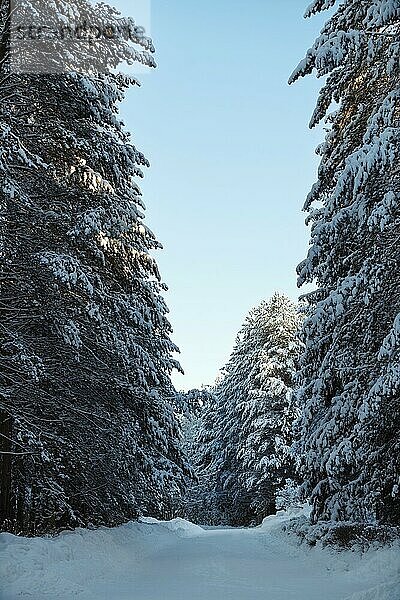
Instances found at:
x=232 y=159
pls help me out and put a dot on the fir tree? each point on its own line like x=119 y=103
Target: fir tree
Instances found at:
x=86 y=397
x=349 y=373
x=268 y=411
x=246 y=431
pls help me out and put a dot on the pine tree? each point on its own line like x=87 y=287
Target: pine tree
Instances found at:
x=349 y=371
x=268 y=411
x=86 y=395
x=246 y=431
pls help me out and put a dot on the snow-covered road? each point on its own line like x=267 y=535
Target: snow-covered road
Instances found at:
x=176 y=560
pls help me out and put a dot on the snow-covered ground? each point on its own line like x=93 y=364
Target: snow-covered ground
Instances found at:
x=176 y=560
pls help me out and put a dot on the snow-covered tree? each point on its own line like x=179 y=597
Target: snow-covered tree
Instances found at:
x=349 y=378
x=268 y=410
x=191 y=407
x=246 y=432
x=88 y=429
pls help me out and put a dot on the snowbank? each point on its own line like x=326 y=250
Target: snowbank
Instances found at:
x=285 y=515
x=67 y=565
x=179 y=526
x=380 y=563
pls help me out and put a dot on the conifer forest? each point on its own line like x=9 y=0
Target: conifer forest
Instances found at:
x=280 y=478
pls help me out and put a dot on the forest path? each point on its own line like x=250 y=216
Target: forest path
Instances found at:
x=177 y=560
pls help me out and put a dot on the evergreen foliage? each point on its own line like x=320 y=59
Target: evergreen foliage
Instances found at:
x=349 y=378
x=88 y=430
x=245 y=433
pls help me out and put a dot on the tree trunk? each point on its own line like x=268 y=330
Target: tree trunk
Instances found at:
x=5 y=12
x=6 y=516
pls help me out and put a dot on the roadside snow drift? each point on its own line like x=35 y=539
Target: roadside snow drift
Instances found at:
x=176 y=560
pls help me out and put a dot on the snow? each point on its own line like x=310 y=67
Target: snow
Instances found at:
x=180 y=527
x=176 y=560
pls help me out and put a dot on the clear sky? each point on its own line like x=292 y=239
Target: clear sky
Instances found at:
x=232 y=159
